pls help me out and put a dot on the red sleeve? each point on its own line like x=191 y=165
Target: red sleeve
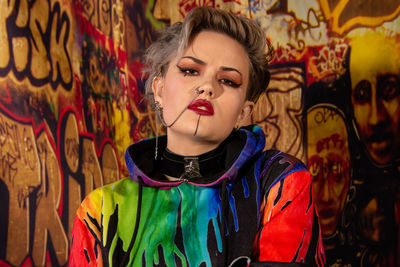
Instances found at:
x=290 y=230
x=86 y=235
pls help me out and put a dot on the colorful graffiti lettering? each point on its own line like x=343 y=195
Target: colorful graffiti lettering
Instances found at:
x=45 y=180
x=35 y=43
x=98 y=13
x=326 y=63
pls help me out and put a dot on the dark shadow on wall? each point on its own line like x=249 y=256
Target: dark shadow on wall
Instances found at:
x=4 y=203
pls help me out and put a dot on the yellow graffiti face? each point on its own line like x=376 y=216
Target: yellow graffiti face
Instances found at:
x=375 y=82
x=328 y=162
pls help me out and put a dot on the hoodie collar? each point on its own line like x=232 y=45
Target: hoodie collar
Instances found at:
x=238 y=148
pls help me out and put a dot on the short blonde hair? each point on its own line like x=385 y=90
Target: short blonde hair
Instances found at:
x=173 y=40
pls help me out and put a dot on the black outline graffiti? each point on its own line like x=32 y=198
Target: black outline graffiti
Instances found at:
x=57 y=20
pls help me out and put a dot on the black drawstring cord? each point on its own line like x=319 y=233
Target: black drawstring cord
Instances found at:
x=125 y=261
x=224 y=204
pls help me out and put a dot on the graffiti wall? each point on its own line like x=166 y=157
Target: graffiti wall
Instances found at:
x=71 y=93
x=63 y=93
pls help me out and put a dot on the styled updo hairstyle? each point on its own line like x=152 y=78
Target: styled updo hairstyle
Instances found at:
x=173 y=41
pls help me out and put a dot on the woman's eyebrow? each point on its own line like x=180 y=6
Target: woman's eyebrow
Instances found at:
x=198 y=61
x=201 y=62
x=230 y=69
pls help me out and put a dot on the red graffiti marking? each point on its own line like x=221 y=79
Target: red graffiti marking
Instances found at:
x=334 y=140
x=87 y=28
x=5 y=94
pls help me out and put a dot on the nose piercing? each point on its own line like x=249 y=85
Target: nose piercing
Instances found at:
x=198 y=91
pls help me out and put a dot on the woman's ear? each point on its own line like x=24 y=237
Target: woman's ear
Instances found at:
x=157 y=86
x=244 y=116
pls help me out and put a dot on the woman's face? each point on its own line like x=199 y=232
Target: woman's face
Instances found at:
x=219 y=67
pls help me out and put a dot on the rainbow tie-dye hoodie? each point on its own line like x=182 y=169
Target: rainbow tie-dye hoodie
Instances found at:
x=256 y=210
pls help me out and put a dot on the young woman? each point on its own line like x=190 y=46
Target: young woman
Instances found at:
x=205 y=194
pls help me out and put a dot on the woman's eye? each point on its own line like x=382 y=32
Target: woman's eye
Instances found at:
x=230 y=83
x=188 y=71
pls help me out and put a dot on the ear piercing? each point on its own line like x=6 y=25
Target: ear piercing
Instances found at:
x=159 y=111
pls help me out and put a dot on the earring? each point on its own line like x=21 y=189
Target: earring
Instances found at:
x=158 y=109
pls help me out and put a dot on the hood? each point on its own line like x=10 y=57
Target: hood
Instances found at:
x=239 y=147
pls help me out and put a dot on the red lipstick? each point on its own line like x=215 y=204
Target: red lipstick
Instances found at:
x=202 y=107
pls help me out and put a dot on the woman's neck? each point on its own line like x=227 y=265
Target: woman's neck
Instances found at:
x=178 y=167
x=189 y=147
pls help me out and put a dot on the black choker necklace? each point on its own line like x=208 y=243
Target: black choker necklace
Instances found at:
x=192 y=167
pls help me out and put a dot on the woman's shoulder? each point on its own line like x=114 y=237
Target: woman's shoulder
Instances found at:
x=108 y=197
x=278 y=161
x=117 y=189
x=122 y=190
x=120 y=187
x=279 y=165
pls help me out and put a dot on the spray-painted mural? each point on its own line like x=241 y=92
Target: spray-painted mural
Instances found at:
x=60 y=71
x=71 y=93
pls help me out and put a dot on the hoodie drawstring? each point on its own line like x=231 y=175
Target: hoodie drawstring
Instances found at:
x=224 y=205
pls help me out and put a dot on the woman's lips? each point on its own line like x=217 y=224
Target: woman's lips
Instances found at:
x=202 y=107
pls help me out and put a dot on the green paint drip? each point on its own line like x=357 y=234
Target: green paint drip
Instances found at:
x=124 y=194
x=158 y=221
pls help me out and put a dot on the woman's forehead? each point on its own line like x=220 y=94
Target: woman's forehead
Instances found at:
x=210 y=46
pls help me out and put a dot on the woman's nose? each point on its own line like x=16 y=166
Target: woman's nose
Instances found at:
x=210 y=86
x=206 y=90
x=198 y=90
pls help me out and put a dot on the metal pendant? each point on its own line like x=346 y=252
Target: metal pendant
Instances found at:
x=192 y=168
